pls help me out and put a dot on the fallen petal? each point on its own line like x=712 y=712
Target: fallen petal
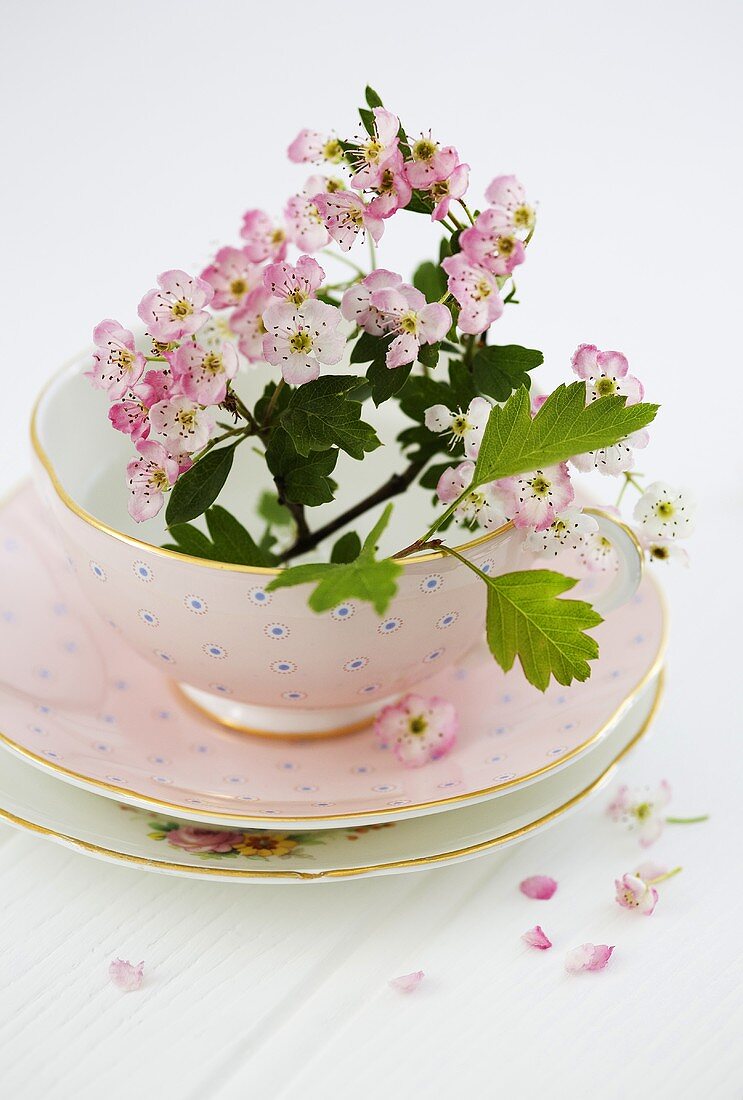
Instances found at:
x=649 y=870
x=535 y=937
x=541 y=887
x=408 y=982
x=589 y=956
x=126 y=976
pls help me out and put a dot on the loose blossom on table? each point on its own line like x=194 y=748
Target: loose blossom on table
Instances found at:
x=407 y=983
x=589 y=956
x=642 y=809
x=418 y=729
x=536 y=937
x=540 y=887
x=125 y=975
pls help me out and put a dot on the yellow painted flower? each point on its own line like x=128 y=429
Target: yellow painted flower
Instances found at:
x=265 y=844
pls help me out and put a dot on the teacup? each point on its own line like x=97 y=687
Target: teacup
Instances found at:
x=257 y=661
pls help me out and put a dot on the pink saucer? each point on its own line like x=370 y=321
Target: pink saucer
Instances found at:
x=77 y=702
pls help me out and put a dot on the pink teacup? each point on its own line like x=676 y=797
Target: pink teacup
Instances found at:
x=257 y=661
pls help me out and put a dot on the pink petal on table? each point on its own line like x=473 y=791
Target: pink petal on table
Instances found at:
x=541 y=887
x=589 y=956
x=535 y=937
x=126 y=976
x=408 y=982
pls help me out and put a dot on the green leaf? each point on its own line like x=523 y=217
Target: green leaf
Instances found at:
x=274 y=513
x=462 y=385
x=385 y=383
x=513 y=442
x=526 y=619
x=261 y=405
x=322 y=414
x=420 y=393
x=372 y=98
x=200 y=486
x=346 y=549
x=430 y=478
x=232 y=542
x=431 y=280
x=364 y=578
x=190 y=540
x=498 y=371
x=367 y=119
x=367 y=348
x=305 y=479
x=419 y=203
x=428 y=355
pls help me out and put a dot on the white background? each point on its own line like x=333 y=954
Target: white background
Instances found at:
x=133 y=137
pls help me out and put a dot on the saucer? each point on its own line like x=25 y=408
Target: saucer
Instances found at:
x=120 y=833
x=77 y=702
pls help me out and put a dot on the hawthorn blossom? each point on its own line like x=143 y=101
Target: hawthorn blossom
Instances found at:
x=539 y=887
x=356 y=304
x=406 y=313
x=444 y=191
x=371 y=155
x=202 y=374
x=232 y=275
x=507 y=194
x=345 y=215
x=306 y=227
x=477 y=292
x=430 y=162
x=418 y=729
x=294 y=282
x=131 y=414
x=465 y=426
x=606 y=374
x=117 y=365
x=491 y=243
x=176 y=309
x=568 y=529
x=614 y=459
x=589 y=956
x=126 y=975
x=264 y=239
x=664 y=550
x=485 y=505
x=597 y=553
x=536 y=937
x=393 y=191
x=247 y=324
x=406 y=983
x=664 y=512
x=150 y=475
x=311 y=145
x=301 y=339
x=185 y=426
x=633 y=892
x=536 y=499
x=643 y=810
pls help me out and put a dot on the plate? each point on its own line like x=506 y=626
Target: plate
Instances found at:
x=120 y=833
x=77 y=702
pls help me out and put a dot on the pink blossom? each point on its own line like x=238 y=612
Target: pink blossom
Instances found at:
x=465 y=426
x=345 y=215
x=663 y=550
x=300 y=339
x=485 y=505
x=632 y=892
x=539 y=887
x=149 y=475
x=642 y=809
x=589 y=956
x=418 y=729
x=535 y=937
x=444 y=191
x=615 y=459
x=305 y=225
x=477 y=292
x=264 y=240
x=177 y=308
x=126 y=975
x=182 y=422
x=404 y=311
x=311 y=145
x=195 y=838
x=117 y=365
x=505 y=193
x=233 y=276
x=202 y=374
x=407 y=982
x=490 y=243
x=131 y=414
x=430 y=162
x=393 y=190
x=356 y=303
x=665 y=512
x=597 y=553
x=568 y=529
x=372 y=155
x=247 y=324
x=534 y=500
x=605 y=374
x=295 y=283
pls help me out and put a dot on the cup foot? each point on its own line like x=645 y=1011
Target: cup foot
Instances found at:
x=281 y=722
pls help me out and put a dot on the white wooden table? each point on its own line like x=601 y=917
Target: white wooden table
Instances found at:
x=120 y=119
